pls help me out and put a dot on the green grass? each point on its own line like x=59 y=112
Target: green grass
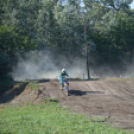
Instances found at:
x=34 y=85
x=51 y=99
x=49 y=118
x=22 y=84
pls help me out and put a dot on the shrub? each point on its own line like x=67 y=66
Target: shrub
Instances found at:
x=5 y=68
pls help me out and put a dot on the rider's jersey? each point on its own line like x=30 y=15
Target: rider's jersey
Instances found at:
x=62 y=75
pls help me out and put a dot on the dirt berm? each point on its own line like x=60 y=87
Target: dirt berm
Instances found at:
x=109 y=98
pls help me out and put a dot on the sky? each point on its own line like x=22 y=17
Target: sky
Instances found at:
x=132 y=5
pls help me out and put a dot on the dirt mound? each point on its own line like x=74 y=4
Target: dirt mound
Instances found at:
x=111 y=99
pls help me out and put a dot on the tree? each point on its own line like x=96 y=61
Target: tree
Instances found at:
x=5 y=69
x=47 y=26
x=103 y=13
x=11 y=42
x=124 y=36
x=1 y=12
x=22 y=16
x=68 y=17
x=8 y=7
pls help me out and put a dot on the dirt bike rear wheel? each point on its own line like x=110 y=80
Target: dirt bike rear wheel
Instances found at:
x=67 y=93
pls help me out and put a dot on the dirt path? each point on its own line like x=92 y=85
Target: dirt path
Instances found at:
x=109 y=99
x=112 y=99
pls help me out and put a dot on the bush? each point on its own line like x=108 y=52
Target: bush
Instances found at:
x=5 y=68
x=51 y=100
x=10 y=43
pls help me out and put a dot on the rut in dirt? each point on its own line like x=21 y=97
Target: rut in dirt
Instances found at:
x=111 y=99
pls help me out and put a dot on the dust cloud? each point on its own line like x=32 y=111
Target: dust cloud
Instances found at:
x=45 y=64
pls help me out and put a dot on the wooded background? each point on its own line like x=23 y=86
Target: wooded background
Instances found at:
x=38 y=24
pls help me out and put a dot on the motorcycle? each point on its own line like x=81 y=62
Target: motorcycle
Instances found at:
x=65 y=85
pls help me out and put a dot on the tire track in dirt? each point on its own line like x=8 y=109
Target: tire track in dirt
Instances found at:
x=111 y=99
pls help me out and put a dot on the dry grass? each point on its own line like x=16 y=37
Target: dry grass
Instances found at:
x=114 y=79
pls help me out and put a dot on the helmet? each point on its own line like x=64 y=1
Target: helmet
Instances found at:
x=63 y=70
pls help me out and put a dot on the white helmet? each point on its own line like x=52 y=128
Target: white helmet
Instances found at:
x=63 y=70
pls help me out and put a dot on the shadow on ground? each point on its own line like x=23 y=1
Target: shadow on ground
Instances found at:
x=10 y=94
x=81 y=93
x=92 y=92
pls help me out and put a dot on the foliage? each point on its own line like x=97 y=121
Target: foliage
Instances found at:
x=12 y=42
x=1 y=11
x=123 y=37
x=51 y=99
x=70 y=24
x=44 y=23
x=5 y=68
x=47 y=25
x=9 y=44
x=33 y=86
x=22 y=15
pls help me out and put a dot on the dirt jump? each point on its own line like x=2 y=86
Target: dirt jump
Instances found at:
x=109 y=98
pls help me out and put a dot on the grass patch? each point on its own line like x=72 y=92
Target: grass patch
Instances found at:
x=49 y=118
x=51 y=99
x=34 y=85
x=22 y=84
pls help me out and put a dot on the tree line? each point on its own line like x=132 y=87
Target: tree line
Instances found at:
x=37 y=24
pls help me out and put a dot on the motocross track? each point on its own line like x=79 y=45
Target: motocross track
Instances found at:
x=111 y=99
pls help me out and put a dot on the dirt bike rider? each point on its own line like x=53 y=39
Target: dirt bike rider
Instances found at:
x=63 y=73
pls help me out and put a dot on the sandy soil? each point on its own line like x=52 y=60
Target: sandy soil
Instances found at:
x=111 y=99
